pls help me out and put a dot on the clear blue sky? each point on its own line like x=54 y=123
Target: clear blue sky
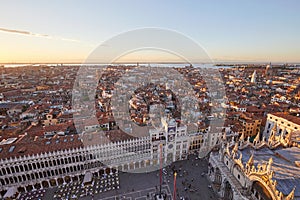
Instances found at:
x=253 y=30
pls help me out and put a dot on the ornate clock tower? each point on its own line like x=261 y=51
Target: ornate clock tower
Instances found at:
x=174 y=141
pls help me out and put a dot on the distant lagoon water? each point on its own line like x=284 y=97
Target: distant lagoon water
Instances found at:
x=177 y=65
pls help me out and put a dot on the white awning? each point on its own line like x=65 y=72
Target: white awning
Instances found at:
x=87 y=177
x=10 y=192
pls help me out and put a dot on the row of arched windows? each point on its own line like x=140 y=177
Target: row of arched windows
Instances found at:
x=19 y=168
x=48 y=173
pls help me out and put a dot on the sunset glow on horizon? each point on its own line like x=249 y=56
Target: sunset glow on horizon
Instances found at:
x=68 y=31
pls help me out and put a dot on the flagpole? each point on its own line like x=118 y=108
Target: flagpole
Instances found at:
x=160 y=172
x=174 y=192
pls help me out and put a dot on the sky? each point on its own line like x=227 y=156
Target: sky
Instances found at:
x=62 y=31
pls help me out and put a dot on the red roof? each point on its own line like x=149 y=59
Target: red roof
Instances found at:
x=36 y=145
x=288 y=117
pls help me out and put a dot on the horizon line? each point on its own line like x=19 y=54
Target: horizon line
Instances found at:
x=152 y=62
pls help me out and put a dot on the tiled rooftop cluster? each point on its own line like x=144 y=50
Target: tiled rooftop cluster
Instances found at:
x=35 y=101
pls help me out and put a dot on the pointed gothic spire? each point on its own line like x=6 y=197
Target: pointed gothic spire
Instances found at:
x=274 y=129
x=236 y=146
x=288 y=137
x=253 y=77
x=235 y=149
x=270 y=164
x=256 y=139
x=250 y=161
x=291 y=195
x=271 y=161
x=282 y=135
x=272 y=137
x=242 y=138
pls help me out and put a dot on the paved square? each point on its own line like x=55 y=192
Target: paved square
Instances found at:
x=192 y=183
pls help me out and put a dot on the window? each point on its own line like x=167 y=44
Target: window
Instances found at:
x=11 y=149
x=239 y=176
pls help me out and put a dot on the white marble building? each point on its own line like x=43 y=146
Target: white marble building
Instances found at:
x=258 y=170
x=42 y=170
x=282 y=123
